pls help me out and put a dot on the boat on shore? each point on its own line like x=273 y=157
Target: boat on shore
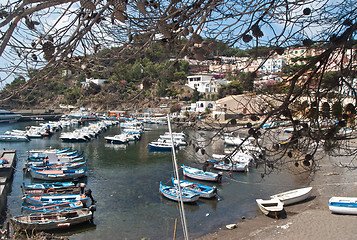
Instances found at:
x=199 y=174
x=293 y=196
x=271 y=207
x=203 y=190
x=172 y=193
x=55 y=220
x=343 y=205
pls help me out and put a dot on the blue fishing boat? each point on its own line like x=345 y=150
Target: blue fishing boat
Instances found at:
x=53 y=207
x=203 y=190
x=54 y=185
x=161 y=146
x=56 y=151
x=54 y=199
x=199 y=174
x=42 y=155
x=58 y=175
x=63 y=158
x=68 y=165
x=172 y=193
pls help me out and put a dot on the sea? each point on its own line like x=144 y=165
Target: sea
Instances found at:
x=125 y=180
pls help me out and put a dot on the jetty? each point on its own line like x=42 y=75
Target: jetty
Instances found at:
x=7 y=167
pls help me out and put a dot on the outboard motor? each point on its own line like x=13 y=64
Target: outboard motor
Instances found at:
x=88 y=193
x=92 y=208
x=220 y=174
x=82 y=186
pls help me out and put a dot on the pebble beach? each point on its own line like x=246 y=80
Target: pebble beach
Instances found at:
x=310 y=219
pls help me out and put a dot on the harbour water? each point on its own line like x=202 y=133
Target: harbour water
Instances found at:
x=125 y=179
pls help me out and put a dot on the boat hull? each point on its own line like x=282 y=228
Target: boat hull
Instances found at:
x=343 y=205
x=172 y=193
x=231 y=167
x=203 y=190
x=49 y=221
x=61 y=175
x=271 y=207
x=293 y=196
x=198 y=174
x=55 y=199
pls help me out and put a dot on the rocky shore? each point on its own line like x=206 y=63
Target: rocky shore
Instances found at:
x=310 y=219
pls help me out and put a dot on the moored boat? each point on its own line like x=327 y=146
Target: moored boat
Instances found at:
x=172 y=193
x=53 y=199
x=53 y=207
x=343 y=205
x=13 y=138
x=161 y=146
x=57 y=175
x=271 y=207
x=53 y=191
x=8 y=116
x=48 y=221
x=235 y=167
x=203 y=190
x=57 y=166
x=54 y=185
x=199 y=174
x=293 y=196
x=117 y=139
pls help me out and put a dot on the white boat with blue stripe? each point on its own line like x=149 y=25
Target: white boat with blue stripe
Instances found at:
x=172 y=193
x=199 y=174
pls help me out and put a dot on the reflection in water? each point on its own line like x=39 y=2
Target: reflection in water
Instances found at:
x=125 y=181
x=116 y=146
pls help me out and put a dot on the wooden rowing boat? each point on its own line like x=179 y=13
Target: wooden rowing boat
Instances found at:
x=293 y=196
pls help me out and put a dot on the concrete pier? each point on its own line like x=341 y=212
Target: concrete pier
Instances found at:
x=7 y=168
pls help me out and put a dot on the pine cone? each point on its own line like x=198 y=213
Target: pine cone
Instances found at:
x=87 y=4
x=141 y=7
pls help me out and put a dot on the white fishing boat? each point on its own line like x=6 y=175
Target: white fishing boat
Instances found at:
x=8 y=116
x=199 y=174
x=271 y=207
x=235 y=167
x=118 y=139
x=343 y=205
x=13 y=138
x=293 y=196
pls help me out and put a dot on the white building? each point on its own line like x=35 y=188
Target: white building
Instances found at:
x=99 y=82
x=205 y=83
x=272 y=65
x=201 y=106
